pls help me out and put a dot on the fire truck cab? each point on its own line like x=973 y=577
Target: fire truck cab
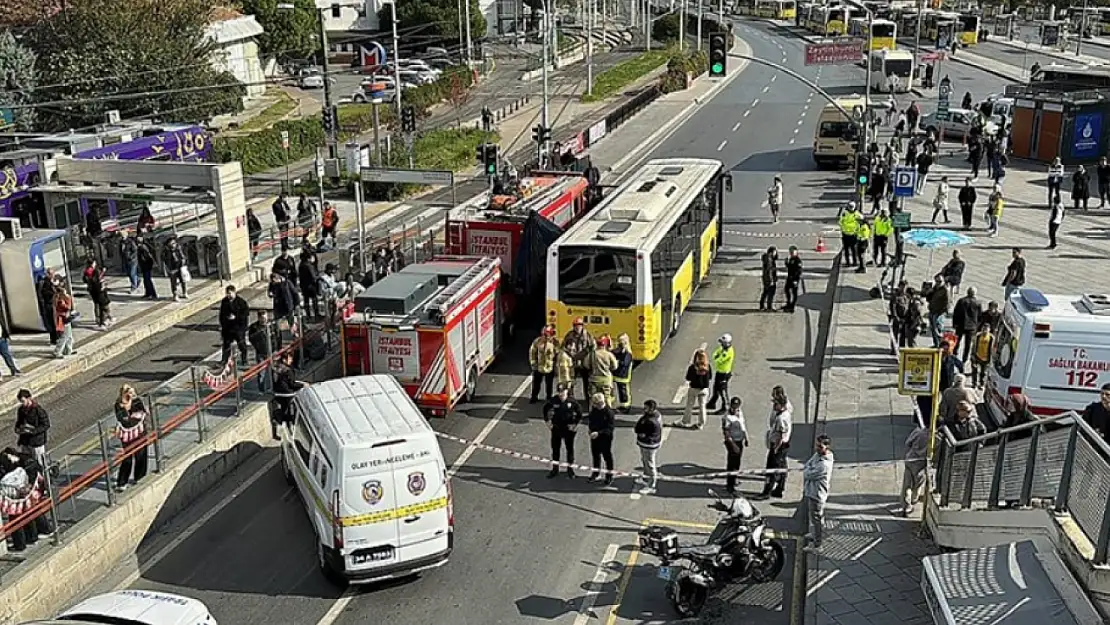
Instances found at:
x=432 y=325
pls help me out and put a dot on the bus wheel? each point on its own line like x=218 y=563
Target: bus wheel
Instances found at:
x=676 y=317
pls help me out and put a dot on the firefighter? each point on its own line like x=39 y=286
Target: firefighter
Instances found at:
x=622 y=375
x=723 y=358
x=579 y=344
x=564 y=368
x=602 y=363
x=542 y=359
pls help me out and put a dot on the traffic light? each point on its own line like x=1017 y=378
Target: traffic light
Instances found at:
x=330 y=119
x=863 y=169
x=489 y=153
x=408 y=119
x=718 y=55
x=540 y=134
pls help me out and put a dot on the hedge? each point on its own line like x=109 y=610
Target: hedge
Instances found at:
x=261 y=150
x=616 y=78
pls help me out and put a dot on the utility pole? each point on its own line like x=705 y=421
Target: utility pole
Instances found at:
x=1082 y=29
x=591 y=9
x=867 y=91
x=647 y=25
x=681 y=26
x=333 y=134
x=721 y=11
x=544 y=150
x=462 y=44
x=396 y=61
x=701 y=4
x=917 y=34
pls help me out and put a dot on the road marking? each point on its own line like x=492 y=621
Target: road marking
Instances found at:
x=755 y=103
x=795 y=132
x=747 y=112
x=736 y=127
x=868 y=547
x=686 y=524
x=792 y=140
x=801 y=121
x=767 y=88
x=716 y=318
x=774 y=77
x=337 y=608
x=722 y=146
x=478 y=440
x=594 y=590
x=821 y=582
x=622 y=587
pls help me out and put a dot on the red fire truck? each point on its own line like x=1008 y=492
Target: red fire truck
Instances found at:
x=518 y=229
x=434 y=326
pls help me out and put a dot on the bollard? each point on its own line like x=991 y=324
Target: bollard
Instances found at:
x=196 y=402
x=105 y=455
x=300 y=329
x=238 y=388
x=264 y=375
x=57 y=538
x=156 y=429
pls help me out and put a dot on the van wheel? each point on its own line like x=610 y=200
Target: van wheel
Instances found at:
x=326 y=568
x=285 y=470
x=676 y=316
x=471 y=385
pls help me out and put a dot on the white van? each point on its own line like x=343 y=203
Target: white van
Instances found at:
x=1053 y=348
x=370 y=472
x=136 y=607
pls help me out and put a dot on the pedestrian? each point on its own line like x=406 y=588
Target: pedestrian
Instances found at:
x=281 y=216
x=1019 y=411
x=849 y=225
x=967 y=197
x=146 y=221
x=1055 y=179
x=6 y=350
x=285 y=265
x=1055 y=218
x=146 y=259
x=938 y=309
x=953 y=395
x=940 y=200
x=649 y=437
x=967 y=425
x=863 y=244
x=306 y=215
x=892 y=104
x=622 y=375
x=286 y=300
x=793 y=266
x=967 y=101
x=286 y=386
x=884 y=230
x=175 y=266
x=1097 y=414
x=916 y=464
x=735 y=432
x=64 y=317
x=998 y=162
x=131 y=417
x=601 y=422
x=562 y=416
x=953 y=273
x=950 y=365
x=47 y=290
x=1102 y=172
x=769 y=277
x=601 y=364
x=816 y=476
x=697 y=380
x=565 y=370
x=1015 y=273
x=780 y=427
x=234 y=317
x=913 y=114
x=965 y=319
x=254 y=231
x=487 y=119
x=877 y=189
x=913 y=319
x=32 y=424
x=981 y=354
x=93 y=277
x=1080 y=187
x=579 y=343
x=329 y=223
x=774 y=198
x=129 y=254
x=992 y=316
x=541 y=357
x=724 y=356
x=912 y=148
x=975 y=156
x=266 y=341
x=924 y=164
x=309 y=277
x=994 y=210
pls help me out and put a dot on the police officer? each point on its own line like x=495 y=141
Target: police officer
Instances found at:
x=723 y=358
x=863 y=241
x=622 y=375
x=849 y=225
x=602 y=363
x=286 y=386
x=562 y=415
x=884 y=229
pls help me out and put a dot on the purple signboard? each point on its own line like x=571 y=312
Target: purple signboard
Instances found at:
x=186 y=144
x=14 y=182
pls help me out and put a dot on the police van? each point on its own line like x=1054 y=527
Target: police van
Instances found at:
x=369 y=470
x=135 y=607
x=1055 y=349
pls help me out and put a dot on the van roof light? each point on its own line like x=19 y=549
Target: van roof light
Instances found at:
x=1033 y=299
x=1096 y=303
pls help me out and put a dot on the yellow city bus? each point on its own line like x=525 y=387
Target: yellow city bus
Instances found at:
x=937 y=22
x=967 y=29
x=815 y=19
x=776 y=9
x=633 y=264
x=837 y=19
x=883 y=32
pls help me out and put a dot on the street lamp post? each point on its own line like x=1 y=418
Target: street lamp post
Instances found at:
x=543 y=147
x=591 y=9
x=1082 y=29
x=701 y=6
x=682 y=26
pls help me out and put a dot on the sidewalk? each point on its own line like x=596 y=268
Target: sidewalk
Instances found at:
x=869 y=571
x=1067 y=57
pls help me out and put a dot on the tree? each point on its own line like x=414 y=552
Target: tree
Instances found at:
x=433 y=19
x=140 y=57
x=290 y=33
x=17 y=79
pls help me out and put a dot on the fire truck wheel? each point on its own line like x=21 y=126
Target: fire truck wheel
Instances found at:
x=471 y=385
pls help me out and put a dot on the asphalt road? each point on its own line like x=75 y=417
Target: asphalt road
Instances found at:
x=1022 y=58
x=534 y=550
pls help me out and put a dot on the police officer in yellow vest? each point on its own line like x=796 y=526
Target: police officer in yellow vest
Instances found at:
x=863 y=241
x=849 y=225
x=723 y=358
x=884 y=229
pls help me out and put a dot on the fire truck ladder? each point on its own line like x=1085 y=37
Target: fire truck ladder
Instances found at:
x=441 y=300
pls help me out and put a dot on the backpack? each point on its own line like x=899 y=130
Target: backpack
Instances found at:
x=983 y=346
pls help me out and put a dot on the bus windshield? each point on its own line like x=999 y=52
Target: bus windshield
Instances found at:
x=601 y=277
x=838 y=130
x=898 y=67
x=882 y=30
x=969 y=23
x=836 y=15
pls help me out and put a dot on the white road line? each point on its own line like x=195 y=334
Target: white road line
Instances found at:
x=755 y=103
x=594 y=589
x=747 y=112
x=736 y=127
x=774 y=77
x=478 y=440
x=680 y=395
x=722 y=146
x=796 y=129
x=337 y=608
x=716 y=318
x=792 y=140
x=767 y=88
x=801 y=121
x=821 y=582
x=868 y=547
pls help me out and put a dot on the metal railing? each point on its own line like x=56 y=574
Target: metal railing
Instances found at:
x=1059 y=460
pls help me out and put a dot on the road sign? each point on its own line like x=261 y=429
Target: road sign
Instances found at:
x=918 y=371
x=835 y=53
x=285 y=139
x=409 y=176
x=900 y=220
x=944 y=94
x=905 y=179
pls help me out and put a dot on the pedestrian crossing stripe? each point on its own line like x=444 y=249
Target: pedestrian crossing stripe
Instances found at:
x=780 y=235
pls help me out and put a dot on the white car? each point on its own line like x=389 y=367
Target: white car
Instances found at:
x=310 y=78
x=135 y=607
x=958 y=124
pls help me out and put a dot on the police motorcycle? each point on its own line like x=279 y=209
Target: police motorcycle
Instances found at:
x=738 y=550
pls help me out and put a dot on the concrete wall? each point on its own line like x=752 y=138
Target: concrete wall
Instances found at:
x=55 y=577
x=231 y=217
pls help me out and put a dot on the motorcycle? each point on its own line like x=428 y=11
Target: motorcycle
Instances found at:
x=738 y=550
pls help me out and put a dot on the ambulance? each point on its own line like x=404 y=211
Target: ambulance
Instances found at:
x=1053 y=348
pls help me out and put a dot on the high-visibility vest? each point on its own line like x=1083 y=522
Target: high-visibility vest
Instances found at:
x=864 y=232
x=849 y=224
x=884 y=227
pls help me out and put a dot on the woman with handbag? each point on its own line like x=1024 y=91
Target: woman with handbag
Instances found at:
x=131 y=426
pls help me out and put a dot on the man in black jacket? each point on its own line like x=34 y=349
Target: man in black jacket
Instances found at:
x=793 y=279
x=31 y=425
x=965 y=320
x=770 y=278
x=265 y=339
x=234 y=317
x=285 y=265
x=967 y=197
x=1097 y=414
x=562 y=415
x=286 y=386
x=48 y=288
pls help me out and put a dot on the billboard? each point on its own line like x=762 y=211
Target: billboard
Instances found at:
x=1086 y=136
x=837 y=53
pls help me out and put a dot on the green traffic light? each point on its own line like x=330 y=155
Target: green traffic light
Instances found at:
x=718 y=68
x=863 y=179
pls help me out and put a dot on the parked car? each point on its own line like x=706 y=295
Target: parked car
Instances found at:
x=310 y=78
x=957 y=125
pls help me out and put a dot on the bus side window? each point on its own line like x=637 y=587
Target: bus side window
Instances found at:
x=323 y=475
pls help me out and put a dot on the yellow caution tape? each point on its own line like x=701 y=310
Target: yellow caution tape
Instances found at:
x=392 y=515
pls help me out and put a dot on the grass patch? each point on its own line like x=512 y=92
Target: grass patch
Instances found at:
x=449 y=149
x=284 y=105
x=615 y=79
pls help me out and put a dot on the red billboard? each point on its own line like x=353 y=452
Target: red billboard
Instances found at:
x=835 y=53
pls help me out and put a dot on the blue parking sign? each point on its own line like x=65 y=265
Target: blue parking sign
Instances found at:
x=905 y=179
